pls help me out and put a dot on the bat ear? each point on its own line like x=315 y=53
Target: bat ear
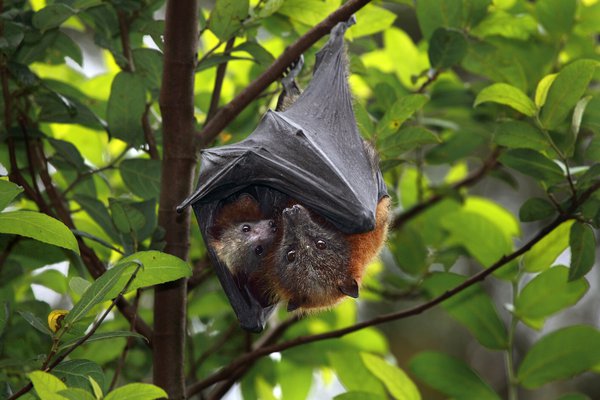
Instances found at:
x=349 y=288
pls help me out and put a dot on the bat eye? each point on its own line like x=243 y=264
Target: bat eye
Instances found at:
x=321 y=245
x=271 y=223
x=246 y=228
x=258 y=250
x=291 y=256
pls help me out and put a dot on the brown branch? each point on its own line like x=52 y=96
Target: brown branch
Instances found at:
x=430 y=79
x=124 y=33
x=7 y=250
x=227 y=113
x=178 y=165
x=251 y=357
x=470 y=180
x=266 y=340
x=219 y=78
x=149 y=134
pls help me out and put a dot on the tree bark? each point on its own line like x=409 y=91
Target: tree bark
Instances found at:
x=179 y=160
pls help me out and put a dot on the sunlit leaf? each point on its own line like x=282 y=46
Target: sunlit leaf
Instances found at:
x=506 y=94
x=560 y=354
x=8 y=191
x=395 y=380
x=136 y=391
x=40 y=227
x=566 y=90
x=542 y=89
x=353 y=373
x=126 y=105
x=400 y=111
x=227 y=17
x=46 y=385
x=451 y=376
x=541 y=256
x=52 y=16
x=548 y=293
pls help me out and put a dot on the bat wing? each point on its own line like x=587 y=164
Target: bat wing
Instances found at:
x=312 y=152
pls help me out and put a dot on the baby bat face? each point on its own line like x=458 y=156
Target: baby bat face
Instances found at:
x=311 y=261
x=244 y=244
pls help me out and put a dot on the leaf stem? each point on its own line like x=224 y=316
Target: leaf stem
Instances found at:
x=509 y=353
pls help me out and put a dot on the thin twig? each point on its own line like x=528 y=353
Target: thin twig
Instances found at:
x=219 y=78
x=96 y=325
x=149 y=134
x=430 y=79
x=251 y=357
x=470 y=180
x=128 y=343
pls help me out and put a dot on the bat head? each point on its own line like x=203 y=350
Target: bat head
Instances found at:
x=312 y=261
x=243 y=245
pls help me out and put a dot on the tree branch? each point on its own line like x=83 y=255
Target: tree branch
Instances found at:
x=178 y=165
x=470 y=180
x=219 y=78
x=226 y=114
x=251 y=357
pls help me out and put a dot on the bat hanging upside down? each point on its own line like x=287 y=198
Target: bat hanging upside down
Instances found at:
x=294 y=212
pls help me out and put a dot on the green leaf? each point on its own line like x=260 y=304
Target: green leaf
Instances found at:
x=447 y=47
x=578 y=115
x=548 y=293
x=76 y=394
x=68 y=152
x=506 y=94
x=126 y=218
x=371 y=19
x=358 y=396
x=52 y=16
x=451 y=376
x=568 y=87
x=541 y=256
x=227 y=17
x=142 y=177
x=308 y=12
x=472 y=307
x=97 y=292
x=51 y=279
x=433 y=14
x=400 y=111
x=158 y=268
x=149 y=66
x=574 y=396
x=103 y=336
x=270 y=7
x=137 y=391
x=353 y=373
x=259 y=53
x=126 y=106
x=541 y=92
x=395 y=380
x=560 y=354
x=40 y=227
x=557 y=16
x=535 y=209
x=481 y=236
x=4 y=315
x=583 y=250
x=8 y=191
x=409 y=251
x=34 y=321
x=519 y=134
x=294 y=379
x=407 y=139
x=76 y=373
x=46 y=385
x=97 y=211
x=533 y=163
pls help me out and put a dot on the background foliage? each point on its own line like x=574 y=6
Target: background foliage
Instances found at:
x=486 y=115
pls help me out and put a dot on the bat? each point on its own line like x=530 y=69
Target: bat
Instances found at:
x=307 y=169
